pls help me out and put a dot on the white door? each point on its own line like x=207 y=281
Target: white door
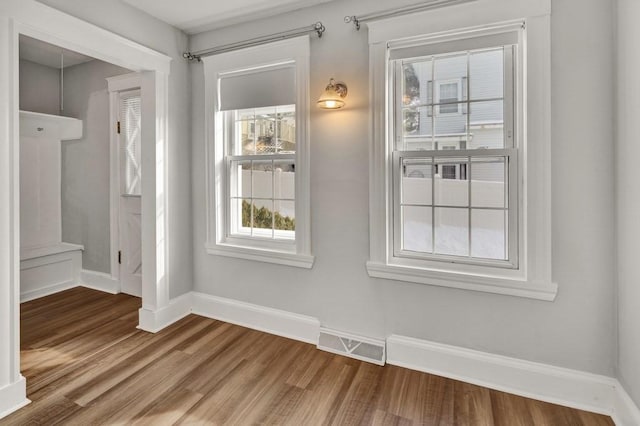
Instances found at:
x=129 y=145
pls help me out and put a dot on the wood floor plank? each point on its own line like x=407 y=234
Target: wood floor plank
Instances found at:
x=86 y=363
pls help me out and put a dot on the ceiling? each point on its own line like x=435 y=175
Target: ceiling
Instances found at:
x=47 y=54
x=193 y=16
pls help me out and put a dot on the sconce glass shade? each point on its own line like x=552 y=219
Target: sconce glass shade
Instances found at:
x=333 y=95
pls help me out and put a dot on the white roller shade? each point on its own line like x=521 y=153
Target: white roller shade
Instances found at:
x=259 y=88
x=404 y=50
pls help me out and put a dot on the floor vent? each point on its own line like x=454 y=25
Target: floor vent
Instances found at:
x=358 y=347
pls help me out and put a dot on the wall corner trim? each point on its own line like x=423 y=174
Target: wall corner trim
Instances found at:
x=269 y=320
x=571 y=388
x=155 y=321
x=13 y=397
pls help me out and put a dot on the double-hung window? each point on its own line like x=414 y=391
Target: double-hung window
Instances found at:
x=459 y=161
x=455 y=191
x=258 y=153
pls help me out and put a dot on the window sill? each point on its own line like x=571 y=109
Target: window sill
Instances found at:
x=488 y=284
x=262 y=255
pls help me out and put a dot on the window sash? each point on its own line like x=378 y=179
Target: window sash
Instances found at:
x=465 y=103
x=511 y=194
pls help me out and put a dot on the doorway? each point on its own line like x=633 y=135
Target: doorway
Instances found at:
x=43 y=23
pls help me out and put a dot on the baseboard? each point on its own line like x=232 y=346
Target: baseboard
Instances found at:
x=13 y=397
x=46 y=291
x=269 y=320
x=155 y=321
x=556 y=385
x=625 y=411
x=99 y=281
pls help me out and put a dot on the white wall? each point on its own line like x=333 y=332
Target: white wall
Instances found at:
x=85 y=163
x=39 y=88
x=576 y=331
x=628 y=196
x=129 y=22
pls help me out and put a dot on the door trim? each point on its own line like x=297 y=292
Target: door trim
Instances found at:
x=115 y=85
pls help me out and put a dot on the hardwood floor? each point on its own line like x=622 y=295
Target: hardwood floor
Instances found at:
x=86 y=363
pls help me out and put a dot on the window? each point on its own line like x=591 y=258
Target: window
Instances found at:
x=258 y=172
x=464 y=208
x=130 y=119
x=459 y=193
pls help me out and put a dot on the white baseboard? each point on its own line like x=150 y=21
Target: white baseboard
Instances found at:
x=556 y=385
x=99 y=281
x=155 y=321
x=46 y=291
x=625 y=411
x=13 y=397
x=269 y=320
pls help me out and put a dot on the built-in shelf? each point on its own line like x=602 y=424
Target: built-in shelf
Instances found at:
x=36 y=124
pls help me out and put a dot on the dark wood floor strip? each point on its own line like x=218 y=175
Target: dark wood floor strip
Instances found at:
x=86 y=363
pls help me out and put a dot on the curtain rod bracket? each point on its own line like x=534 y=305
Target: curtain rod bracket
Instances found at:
x=353 y=19
x=191 y=57
x=319 y=28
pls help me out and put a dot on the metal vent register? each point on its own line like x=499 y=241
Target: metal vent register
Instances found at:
x=362 y=348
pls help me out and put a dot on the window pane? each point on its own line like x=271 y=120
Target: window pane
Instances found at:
x=486 y=125
x=417 y=121
x=241 y=216
x=451 y=185
x=262 y=218
x=453 y=122
x=417 y=83
x=488 y=183
x=262 y=176
x=131 y=121
x=266 y=131
x=284 y=180
x=451 y=69
x=240 y=179
x=488 y=234
x=417 y=181
x=452 y=231
x=286 y=129
x=285 y=218
x=417 y=229
x=486 y=71
x=243 y=142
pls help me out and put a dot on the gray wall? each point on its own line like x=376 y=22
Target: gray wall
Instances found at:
x=577 y=330
x=85 y=163
x=39 y=88
x=129 y=22
x=628 y=196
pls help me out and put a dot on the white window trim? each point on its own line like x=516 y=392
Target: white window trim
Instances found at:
x=532 y=279
x=296 y=254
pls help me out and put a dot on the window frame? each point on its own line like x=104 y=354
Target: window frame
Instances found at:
x=532 y=276
x=297 y=252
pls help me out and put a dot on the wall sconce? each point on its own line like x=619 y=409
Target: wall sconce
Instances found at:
x=333 y=95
